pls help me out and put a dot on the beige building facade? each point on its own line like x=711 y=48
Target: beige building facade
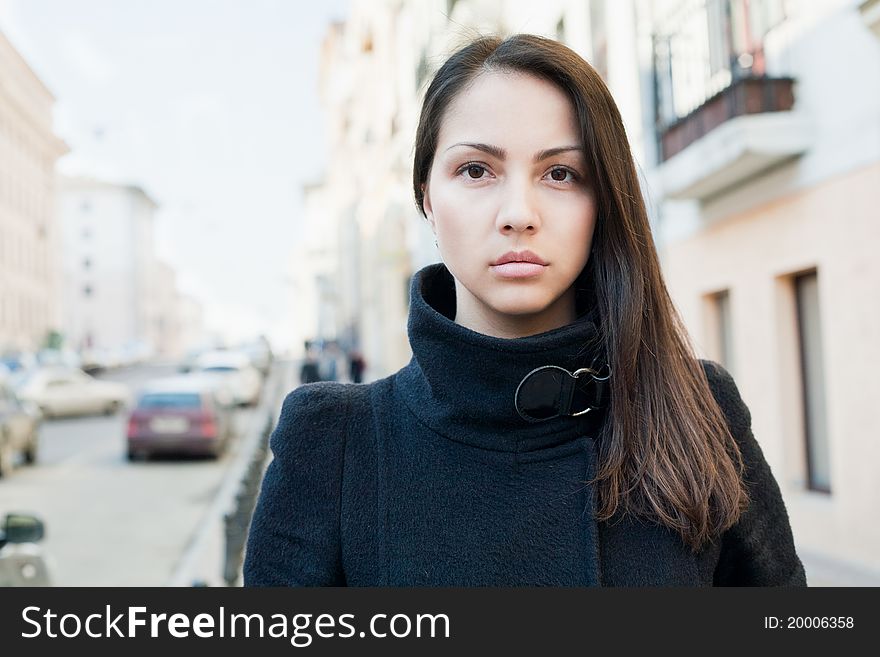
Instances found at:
x=359 y=218
x=828 y=231
x=769 y=225
x=29 y=304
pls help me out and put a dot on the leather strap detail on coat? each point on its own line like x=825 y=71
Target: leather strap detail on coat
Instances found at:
x=550 y=391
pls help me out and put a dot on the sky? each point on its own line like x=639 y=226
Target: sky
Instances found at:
x=210 y=106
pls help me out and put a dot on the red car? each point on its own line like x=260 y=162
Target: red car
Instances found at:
x=185 y=415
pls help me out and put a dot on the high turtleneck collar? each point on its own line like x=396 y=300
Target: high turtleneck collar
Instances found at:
x=462 y=383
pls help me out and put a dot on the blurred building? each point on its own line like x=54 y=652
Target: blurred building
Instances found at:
x=166 y=330
x=768 y=181
x=191 y=324
x=119 y=301
x=755 y=127
x=870 y=11
x=316 y=257
x=357 y=216
x=29 y=306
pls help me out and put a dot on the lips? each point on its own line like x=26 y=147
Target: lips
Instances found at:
x=520 y=256
x=518 y=269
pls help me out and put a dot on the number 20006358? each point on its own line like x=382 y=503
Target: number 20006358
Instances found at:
x=808 y=622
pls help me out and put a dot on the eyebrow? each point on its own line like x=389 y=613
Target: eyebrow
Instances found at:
x=500 y=153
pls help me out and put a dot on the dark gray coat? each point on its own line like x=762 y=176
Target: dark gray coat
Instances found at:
x=430 y=477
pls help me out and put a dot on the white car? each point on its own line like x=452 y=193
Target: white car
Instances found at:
x=260 y=354
x=67 y=391
x=240 y=377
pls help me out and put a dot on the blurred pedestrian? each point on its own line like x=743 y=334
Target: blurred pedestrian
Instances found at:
x=309 y=372
x=553 y=426
x=356 y=366
x=330 y=361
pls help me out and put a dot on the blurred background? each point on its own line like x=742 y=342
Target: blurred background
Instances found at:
x=204 y=204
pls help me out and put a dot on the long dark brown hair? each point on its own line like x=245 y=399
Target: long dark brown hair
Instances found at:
x=666 y=452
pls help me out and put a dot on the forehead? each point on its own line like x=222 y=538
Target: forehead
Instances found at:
x=509 y=110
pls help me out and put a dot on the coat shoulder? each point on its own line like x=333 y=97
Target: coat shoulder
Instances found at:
x=727 y=395
x=324 y=413
x=294 y=533
x=739 y=419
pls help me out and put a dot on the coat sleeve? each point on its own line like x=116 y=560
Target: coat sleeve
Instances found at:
x=759 y=549
x=294 y=533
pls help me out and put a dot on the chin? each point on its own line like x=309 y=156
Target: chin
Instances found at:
x=520 y=304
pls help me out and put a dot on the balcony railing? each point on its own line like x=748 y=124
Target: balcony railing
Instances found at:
x=754 y=95
x=724 y=111
x=710 y=67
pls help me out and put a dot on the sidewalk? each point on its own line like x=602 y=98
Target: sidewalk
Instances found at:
x=825 y=571
x=202 y=562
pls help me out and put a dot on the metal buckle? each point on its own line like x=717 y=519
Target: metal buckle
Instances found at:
x=593 y=373
x=545 y=389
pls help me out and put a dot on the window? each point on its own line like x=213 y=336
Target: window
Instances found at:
x=719 y=331
x=719 y=33
x=704 y=46
x=724 y=335
x=806 y=288
x=170 y=400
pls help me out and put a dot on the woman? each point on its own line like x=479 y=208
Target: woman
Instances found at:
x=553 y=426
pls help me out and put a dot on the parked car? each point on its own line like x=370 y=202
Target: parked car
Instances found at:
x=22 y=561
x=66 y=391
x=236 y=371
x=19 y=430
x=184 y=414
x=260 y=354
x=190 y=360
x=97 y=360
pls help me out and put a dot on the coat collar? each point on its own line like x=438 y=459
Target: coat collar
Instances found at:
x=462 y=384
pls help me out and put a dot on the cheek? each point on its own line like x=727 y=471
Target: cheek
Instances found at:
x=586 y=230
x=458 y=217
x=576 y=219
x=587 y=221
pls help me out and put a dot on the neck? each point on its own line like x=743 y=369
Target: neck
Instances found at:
x=476 y=316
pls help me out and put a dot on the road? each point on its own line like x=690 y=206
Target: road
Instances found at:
x=110 y=522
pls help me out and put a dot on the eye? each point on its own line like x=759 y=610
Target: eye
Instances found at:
x=475 y=171
x=559 y=174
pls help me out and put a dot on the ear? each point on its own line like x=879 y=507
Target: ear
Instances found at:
x=426 y=204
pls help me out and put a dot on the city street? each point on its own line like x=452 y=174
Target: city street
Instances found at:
x=108 y=521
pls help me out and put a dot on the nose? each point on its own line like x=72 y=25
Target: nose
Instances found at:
x=518 y=211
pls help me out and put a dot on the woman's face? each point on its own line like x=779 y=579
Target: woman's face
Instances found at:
x=509 y=175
